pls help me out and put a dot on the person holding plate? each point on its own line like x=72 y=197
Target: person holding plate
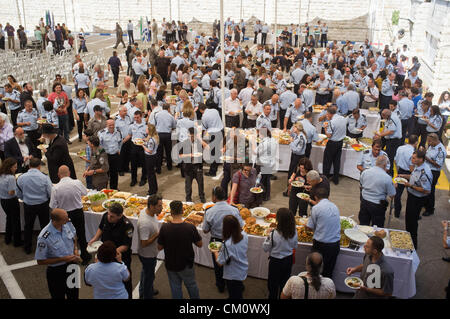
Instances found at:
x=369 y=157
x=99 y=166
x=242 y=182
x=299 y=177
x=356 y=123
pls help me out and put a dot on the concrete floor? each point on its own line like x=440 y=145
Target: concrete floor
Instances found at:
x=431 y=278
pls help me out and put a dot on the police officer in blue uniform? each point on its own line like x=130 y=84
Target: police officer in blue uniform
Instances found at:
x=376 y=186
x=57 y=248
x=392 y=132
x=419 y=188
x=27 y=119
x=164 y=123
x=115 y=227
x=356 y=124
x=122 y=124
x=138 y=130
x=263 y=121
x=369 y=157
x=403 y=162
x=111 y=141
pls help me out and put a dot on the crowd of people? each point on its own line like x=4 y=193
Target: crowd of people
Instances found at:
x=263 y=90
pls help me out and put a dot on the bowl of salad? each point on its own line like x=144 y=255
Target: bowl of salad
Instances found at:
x=97 y=199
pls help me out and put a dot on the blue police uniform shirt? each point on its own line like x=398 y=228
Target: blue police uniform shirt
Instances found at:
x=138 y=130
x=183 y=126
x=214 y=216
x=438 y=154
x=197 y=96
x=337 y=127
x=111 y=142
x=205 y=82
x=51 y=117
x=307 y=98
x=406 y=108
x=164 y=122
x=14 y=95
x=421 y=112
x=376 y=185
x=342 y=105
x=40 y=105
x=79 y=105
x=421 y=176
x=352 y=99
x=393 y=124
x=297 y=75
x=152 y=145
x=274 y=108
x=263 y=121
x=278 y=246
x=403 y=156
x=82 y=80
x=286 y=99
x=7 y=184
x=325 y=222
x=31 y=117
x=123 y=124
x=107 y=280
x=310 y=131
x=52 y=243
x=237 y=252
x=211 y=121
x=91 y=104
x=34 y=187
x=387 y=89
x=367 y=160
x=436 y=120
x=281 y=86
x=295 y=113
x=298 y=145
x=356 y=124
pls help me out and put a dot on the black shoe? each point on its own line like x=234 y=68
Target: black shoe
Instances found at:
x=121 y=173
x=133 y=183
x=266 y=199
x=396 y=215
x=142 y=183
x=189 y=200
x=158 y=172
x=447 y=259
x=203 y=200
x=86 y=260
x=79 y=140
x=336 y=181
x=427 y=213
x=221 y=289
x=155 y=292
x=169 y=168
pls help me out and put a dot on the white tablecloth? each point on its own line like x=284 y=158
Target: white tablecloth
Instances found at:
x=404 y=266
x=349 y=158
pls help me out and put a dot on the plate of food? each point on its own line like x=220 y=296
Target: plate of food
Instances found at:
x=356 y=235
x=400 y=180
x=368 y=230
x=358 y=147
x=139 y=141
x=304 y=234
x=98 y=208
x=303 y=196
x=215 y=246
x=271 y=218
x=298 y=183
x=349 y=220
x=256 y=190
x=353 y=282
x=5 y=98
x=131 y=212
x=42 y=147
x=344 y=241
x=93 y=248
x=358 y=130
x=321 y=137
x=81 y=153
x=108 y=203
x=260 y=212
x=41 y=121
x=97 y=199
x=122 y=195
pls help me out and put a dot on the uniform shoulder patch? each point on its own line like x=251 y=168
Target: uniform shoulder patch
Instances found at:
x=46 y=234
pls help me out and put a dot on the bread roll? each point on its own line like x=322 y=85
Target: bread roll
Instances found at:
x=250 y=220
x=380 y=233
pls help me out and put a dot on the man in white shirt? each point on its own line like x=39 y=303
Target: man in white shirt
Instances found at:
x=130 y=32
x=232 y=108
x=253 y=109
x=67 y=195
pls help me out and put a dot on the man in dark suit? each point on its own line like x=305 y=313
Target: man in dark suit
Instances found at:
x=21 y=148
x=57 y=153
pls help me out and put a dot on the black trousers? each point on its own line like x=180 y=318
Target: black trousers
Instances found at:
x=13 y=227
x=125 y=158
x=330 y=252
x=14 y=114
x=165 y=143
x=295 y=159
x=308 y=149
x=282 y=114
x=235 y=288
x=34 y=136
x=296 y=43
x=218 y=270
x=384 y=101
x=371 y=213
x=256 y=37
x=265 y=183
x=137 y=159
x=391 y=149
x=81 y=125
x=279 y=273
x=2 y=155
x=226 y=177
x=114 y=167
x=70 y=114
x=323 y=40
x=232 y=121
x=429 y=203
x=414 y=205
x=399 y=192
x=332 y=156
x=405 y=124
x=151 y=161
x=250 y=124
x=191 y=172
x=214 y=165
x=298 y=204
x=130 y=37
x=274 y=124
x=57 y=283
x=115 y=72
x=30 y=213
x=422 y=132
x=322 y=99
x=263 y=38
x=77 y=218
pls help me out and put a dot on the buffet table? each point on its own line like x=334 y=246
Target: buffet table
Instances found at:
x=404 y=266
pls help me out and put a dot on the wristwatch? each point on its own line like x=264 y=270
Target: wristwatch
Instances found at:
x=95 y=172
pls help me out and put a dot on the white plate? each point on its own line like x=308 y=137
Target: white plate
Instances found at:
x=366 y=229
x=93 y=248
x=356 y=235
x=400 y=180
x=349 y=278
x=298 y=184
x=252 y=190
x=352 y=221
x=261 y=210
x=218 y=243
x=303 y=196
x=321 y=137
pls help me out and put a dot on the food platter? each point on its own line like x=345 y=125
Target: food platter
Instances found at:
x=109 y=202
x=400 y=241
x=352 y=223
x=368 y=230
x=303 y=196
x=304 y=234
x=400 y=180
x=353 y=282
x=260 y=212
x=356 y=236
x=256 y=190
x=93 y=248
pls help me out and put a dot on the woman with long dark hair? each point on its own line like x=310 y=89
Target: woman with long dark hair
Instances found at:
x=233 y=256
x=9 y=201
x=280 y=243
x=295 y=203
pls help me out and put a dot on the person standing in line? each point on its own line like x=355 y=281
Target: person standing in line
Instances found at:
x=387 y=91
x=111 y=141
x=34 y=188
x=99 y=165
x=27 y=119
x=119 y=36
x=148 y=232
x=151 y=158
x=137 y=130
x=122 y=123
x=164 y=123
x=323 y=36
x=176 y=239
x=67 y=195
x=12 y=97
x=280 y=243
x=56 y=247
x=233 y=256
x=9 y=202
x=130 y=29
x=213 y=223
x=325 y=222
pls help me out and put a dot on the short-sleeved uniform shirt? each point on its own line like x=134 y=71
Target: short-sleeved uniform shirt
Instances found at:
x=120 y=233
